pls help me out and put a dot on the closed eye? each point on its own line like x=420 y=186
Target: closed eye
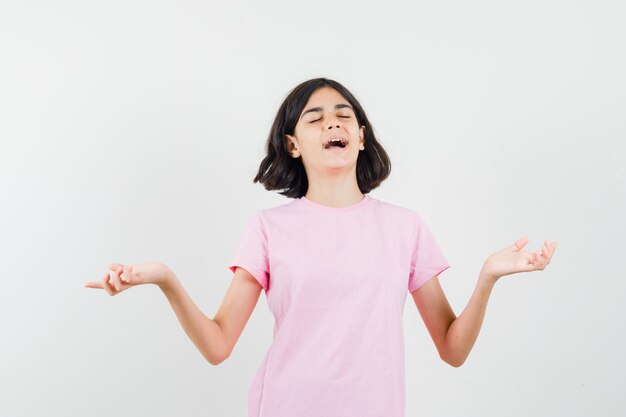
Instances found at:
x=346 y=117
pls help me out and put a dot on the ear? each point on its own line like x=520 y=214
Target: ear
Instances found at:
x=292 y=146
x=362 y=138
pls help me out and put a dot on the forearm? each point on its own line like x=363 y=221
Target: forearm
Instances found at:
x=204 y=332
x=463 y=331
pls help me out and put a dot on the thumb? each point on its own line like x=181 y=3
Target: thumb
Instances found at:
x=114 y=265
x=519 y=244
x=127 y=274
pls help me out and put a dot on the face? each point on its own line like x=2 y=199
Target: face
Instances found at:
x=327 y=114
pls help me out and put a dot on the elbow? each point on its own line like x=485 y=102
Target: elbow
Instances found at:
x=213 y=361
x=216 y=359
x=217 y=352
x=455 y=364
x=452 y=361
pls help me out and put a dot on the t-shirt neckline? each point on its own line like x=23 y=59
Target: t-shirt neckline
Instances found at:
x=322 y=207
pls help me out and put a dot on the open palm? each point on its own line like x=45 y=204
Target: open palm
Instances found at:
x=513 y=259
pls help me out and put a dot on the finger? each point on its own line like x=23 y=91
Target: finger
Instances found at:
x=115 y=279
x=114 y=265
x=107 y=285
x=540 y=261
x=550 y=247
x=96 y=284
x=552 y=244
x=520 y=243
x=127 y=274
x=550 y=253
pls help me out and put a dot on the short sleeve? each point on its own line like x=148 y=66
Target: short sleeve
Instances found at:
x=251 y=251
x=427 y=259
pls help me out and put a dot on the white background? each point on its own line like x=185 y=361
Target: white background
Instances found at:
x=131 y=131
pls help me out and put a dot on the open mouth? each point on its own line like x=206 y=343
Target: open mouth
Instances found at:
x=336 y=144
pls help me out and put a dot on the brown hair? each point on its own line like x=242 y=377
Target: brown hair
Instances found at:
x=280 y=171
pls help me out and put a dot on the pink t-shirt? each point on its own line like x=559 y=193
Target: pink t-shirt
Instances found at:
x=336 y=280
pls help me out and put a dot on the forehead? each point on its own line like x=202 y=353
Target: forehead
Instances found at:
x=325 y=95
x=325 y=98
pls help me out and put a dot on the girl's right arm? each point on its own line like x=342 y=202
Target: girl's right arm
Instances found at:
x=214 y=338
x=205 y=333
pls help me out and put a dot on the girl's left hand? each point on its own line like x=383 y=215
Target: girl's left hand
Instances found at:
x=513 y=259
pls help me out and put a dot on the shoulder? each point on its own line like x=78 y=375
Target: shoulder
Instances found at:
x=277 y=210
x=268 y=218
x=409 y=220
x=402 y=213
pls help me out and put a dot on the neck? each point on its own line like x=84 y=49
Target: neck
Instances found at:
x=335 y=197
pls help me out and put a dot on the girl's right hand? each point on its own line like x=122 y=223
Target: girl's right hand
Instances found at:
x=122 y=277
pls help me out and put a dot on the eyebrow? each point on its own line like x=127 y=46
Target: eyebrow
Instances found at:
x=337 y=107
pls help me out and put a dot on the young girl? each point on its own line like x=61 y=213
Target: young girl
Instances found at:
x=336 y=266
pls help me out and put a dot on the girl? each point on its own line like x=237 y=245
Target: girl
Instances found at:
x=336 y=266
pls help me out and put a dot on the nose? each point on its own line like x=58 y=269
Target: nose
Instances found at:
x=333 y=123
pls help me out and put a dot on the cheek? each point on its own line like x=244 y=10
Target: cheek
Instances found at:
x=309 y=133
x=355 y=131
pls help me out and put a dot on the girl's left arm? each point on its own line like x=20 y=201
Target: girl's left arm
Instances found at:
x=454 y=336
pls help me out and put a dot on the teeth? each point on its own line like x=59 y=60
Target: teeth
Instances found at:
x=336 y=141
